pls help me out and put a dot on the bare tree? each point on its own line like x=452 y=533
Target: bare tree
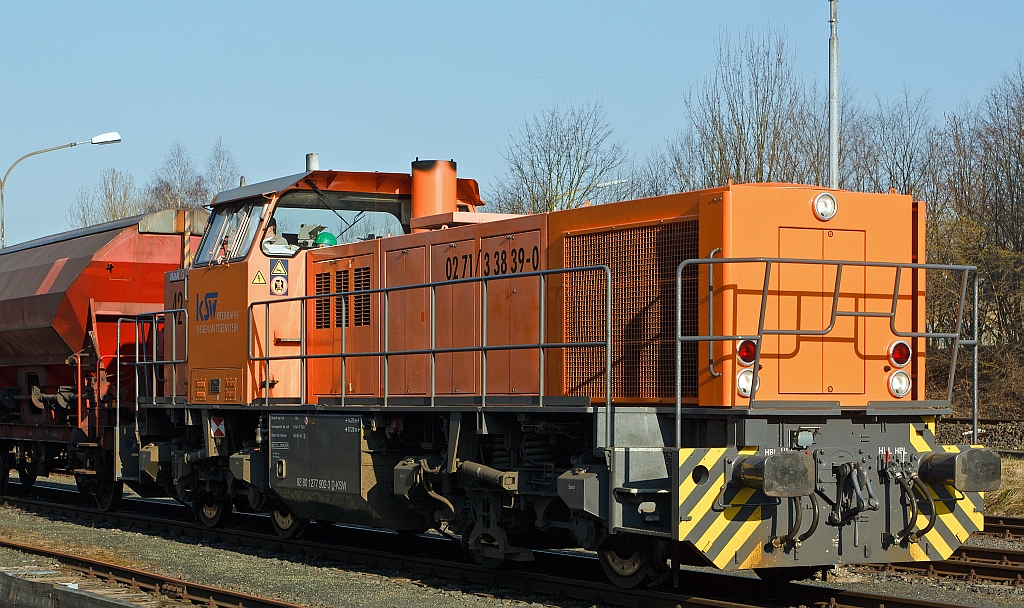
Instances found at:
x=176 y=184
x=221 y=170
x=114 y=197
x=741 y=118
x=558 y=160
x=903 y=142
x=756 y=120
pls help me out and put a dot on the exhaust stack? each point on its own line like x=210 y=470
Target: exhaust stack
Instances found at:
x=434 y=186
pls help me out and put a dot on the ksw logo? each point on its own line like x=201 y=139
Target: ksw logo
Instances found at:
x=206 y=308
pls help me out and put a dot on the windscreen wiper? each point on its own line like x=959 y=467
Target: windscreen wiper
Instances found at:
x=322 y=199
x=356 y=220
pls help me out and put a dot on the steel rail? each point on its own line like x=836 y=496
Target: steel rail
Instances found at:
x=582 y=587
x=1004 y=527
x=583 y=579
x=159 y=584
x=971 y=563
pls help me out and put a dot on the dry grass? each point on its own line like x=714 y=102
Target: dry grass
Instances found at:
x=1009 y=499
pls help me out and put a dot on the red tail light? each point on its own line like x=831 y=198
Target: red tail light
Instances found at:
x=746 y=352
x=899 y=353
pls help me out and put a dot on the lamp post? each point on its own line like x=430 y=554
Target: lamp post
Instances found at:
x=104 y=138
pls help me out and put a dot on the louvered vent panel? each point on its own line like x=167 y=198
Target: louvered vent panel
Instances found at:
x=341 y=303
x=643 y=262
x=361 y=304
x=323 y=305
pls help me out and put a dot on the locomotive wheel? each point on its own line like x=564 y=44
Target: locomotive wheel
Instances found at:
x=628 y=566
x=286 y=524
x=26 y=477
x=477 y=549
x=212 y=512
x=624 y=565
x=778 y=576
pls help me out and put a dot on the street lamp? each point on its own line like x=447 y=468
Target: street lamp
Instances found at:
x=103 y=138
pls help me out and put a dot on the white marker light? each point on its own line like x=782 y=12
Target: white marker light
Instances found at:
x=899 y=383
x=825 y=206
x=744 y=382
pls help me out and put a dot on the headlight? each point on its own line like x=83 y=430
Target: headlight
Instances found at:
x=899 y=383
x=825 y=206
x=744 y=381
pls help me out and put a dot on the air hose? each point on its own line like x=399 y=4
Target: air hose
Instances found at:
x=794 y=529
x=814 y=521
x=914 y=537
x=908 y=490
x=425 y=468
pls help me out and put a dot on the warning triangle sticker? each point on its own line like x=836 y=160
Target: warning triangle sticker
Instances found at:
x=258 y=279
x=279 y=268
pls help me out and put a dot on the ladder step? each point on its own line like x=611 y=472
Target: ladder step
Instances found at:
x=86 y=444
x=84 y=472
x=638 y=491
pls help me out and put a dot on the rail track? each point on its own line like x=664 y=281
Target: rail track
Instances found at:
x=360 y=548
x=149 y=581
x=1003 y=527
x=972 y=564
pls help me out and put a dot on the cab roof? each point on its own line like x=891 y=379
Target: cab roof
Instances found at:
x=468 y=191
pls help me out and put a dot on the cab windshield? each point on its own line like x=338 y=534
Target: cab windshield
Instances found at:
x=305 y=219
x=230 y=232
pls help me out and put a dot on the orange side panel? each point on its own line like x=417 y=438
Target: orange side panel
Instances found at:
x=458 y=310
x=407 y=322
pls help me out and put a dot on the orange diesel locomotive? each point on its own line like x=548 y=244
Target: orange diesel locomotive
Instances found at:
x=733 y=376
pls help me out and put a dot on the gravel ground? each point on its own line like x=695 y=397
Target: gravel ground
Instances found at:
x=320 y=582
x=981 y=595
x=305 y=581
x=1003 y=436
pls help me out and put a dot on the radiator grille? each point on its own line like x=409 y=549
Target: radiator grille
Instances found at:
x=643 y=262
x=361 y=306
x=341 y=303
x=323 y=305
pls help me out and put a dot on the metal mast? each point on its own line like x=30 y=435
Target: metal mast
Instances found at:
x=833 y=101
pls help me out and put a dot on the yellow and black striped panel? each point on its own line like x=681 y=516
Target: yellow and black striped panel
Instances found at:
x=959 y=513
x=719 y=520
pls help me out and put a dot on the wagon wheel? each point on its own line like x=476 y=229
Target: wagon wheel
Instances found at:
x=286 y=523
x=108 y=489
x=5 y=474
x=81 y=484
x=212 y=512
x=26 y=477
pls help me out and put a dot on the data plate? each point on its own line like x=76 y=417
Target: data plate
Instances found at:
x=315 y=453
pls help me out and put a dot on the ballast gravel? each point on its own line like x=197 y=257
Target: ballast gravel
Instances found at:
x=306 y=581
x=319 y=582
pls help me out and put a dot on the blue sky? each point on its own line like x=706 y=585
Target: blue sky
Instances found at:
x=370 y=86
